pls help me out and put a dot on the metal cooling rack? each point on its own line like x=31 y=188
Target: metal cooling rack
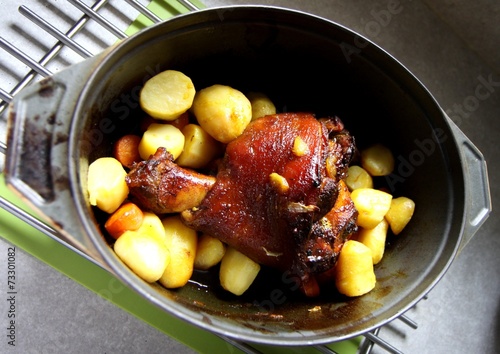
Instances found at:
x=38 y=68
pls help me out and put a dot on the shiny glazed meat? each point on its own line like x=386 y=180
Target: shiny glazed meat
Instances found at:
x=162 y=186
x=297 y=225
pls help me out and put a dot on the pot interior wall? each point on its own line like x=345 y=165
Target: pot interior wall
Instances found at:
x=303 y=64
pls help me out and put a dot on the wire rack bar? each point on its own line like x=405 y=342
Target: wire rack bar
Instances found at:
x=408 y=321
x=23 y=57
x=189 y=5
x=47 y=27
x=52 y=53
x=373 y=337
x=324 y=349
x=144 y=10
x=98 y=18
x=3 y=148
x=38 y=68
x=244 y=347
x=5 y=96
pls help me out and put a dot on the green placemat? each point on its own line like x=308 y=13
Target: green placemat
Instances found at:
x=163 y=9
x=103 y=283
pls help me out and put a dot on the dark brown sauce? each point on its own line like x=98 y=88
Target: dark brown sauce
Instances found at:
x=271 y=305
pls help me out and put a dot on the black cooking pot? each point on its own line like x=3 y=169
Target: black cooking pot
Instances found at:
x=304 y=63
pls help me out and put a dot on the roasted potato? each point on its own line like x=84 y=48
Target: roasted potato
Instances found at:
x=377 y=160
x=261 y=105
x=372 y=205
x=167 y=95
x=153 y=226
x=400 y=213
x=209 y=252
x=358 y=177
x=182 y=242
x=374 y=239
x=354 y=273
x=106 y=184
x=144 y=254
x=199 y=147
x=237 y=271
x=222 y=111
x=161 y=135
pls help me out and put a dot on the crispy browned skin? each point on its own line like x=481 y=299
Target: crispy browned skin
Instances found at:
x=161 y=186
x=329 y=234
x=300 y=229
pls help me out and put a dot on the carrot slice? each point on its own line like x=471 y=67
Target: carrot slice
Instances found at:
x=127 y=217
x=126 y=150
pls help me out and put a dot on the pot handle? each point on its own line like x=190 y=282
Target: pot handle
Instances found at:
x=36 y=164
x=477 y=188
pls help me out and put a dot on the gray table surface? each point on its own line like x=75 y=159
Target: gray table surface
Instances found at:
x=450 y=45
